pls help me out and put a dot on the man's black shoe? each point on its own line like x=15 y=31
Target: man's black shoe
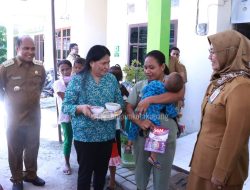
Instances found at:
x=17 y=186
x=37 y=181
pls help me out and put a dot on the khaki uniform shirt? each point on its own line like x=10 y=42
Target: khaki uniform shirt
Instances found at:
x=221 y=149
x=21 y=84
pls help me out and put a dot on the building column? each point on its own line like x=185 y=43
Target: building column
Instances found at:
x=159 y=26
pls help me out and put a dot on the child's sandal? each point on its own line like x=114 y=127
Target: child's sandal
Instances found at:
x=155 y=163
x=128 y=149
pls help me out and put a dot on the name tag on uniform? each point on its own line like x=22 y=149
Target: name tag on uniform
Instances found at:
x=214 y=95
x=16 y=78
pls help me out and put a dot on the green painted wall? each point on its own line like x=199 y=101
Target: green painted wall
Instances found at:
x=159 y=26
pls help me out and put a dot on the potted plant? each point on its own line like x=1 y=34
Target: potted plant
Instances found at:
x=134 y=72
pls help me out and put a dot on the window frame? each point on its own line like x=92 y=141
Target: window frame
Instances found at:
x=63 y=46
x=138 y=44
x=175 y=23
x=39 y=44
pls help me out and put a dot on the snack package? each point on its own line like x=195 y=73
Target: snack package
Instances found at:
x=156 y=140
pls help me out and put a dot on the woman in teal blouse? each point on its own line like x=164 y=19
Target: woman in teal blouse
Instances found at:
x=94 y=86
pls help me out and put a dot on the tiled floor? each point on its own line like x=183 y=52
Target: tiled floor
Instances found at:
x=184 y=150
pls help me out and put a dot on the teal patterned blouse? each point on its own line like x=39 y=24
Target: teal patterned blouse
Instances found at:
x=83 y=89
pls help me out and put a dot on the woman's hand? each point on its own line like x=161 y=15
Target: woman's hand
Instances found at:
x=84 y=109
x=143 y=106
x=217 y=183
x=146 y=124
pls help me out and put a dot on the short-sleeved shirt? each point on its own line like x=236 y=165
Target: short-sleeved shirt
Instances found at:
x=59 y=86
x=71 y=58
x=82 y=89
x=22 y=84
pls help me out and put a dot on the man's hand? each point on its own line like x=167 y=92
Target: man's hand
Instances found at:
x=218 y=184
x=143 y=106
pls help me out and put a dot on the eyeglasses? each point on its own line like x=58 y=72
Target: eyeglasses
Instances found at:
x=212 y=52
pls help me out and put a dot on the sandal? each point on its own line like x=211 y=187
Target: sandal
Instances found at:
x=67 y=170
x=155 y=163
x=128 y=149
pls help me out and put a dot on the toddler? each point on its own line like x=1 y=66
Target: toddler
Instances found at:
x=65 y=69
x=78 y=65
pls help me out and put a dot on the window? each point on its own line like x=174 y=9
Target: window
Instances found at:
x=138 y=40
x=173 y=33
x=39 y=44
x=243 y=28
x=62 y=43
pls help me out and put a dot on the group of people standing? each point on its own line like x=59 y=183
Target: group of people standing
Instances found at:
x=220 y=157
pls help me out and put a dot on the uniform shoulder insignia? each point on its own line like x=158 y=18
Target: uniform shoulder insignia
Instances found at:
x=8 y=63
x=37 y=62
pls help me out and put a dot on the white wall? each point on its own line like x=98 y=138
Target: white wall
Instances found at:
x=88 y=23
x=194 y=51
x=140 y=14
x=120 y=16
x=224 y=16
x=117 y=31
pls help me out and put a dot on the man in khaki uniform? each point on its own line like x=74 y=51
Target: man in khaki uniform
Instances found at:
x=21 y=82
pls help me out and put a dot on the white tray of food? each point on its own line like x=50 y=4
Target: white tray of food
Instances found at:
x=107 y=115
x=112 y=111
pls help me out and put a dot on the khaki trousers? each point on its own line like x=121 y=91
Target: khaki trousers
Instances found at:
x=143 y=167
x=23 y=144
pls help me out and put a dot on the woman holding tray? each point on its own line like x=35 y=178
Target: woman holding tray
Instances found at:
x=94 y=86
x=155 y=69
